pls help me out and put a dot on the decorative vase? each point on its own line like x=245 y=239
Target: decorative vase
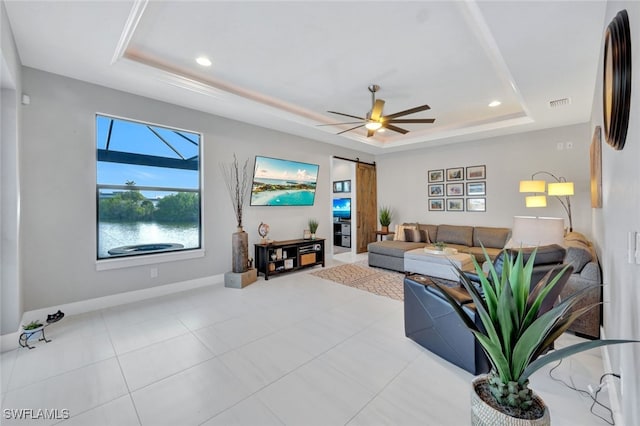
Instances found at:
x=240 y=251
x=313 y=235
x=483 y=414
x=385 y=229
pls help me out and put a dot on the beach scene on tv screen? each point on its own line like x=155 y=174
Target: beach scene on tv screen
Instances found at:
x=278 y=182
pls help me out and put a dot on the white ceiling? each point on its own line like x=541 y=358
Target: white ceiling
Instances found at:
x=282 y=65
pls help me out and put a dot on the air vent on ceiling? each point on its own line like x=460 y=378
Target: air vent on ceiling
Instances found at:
x=559 y=102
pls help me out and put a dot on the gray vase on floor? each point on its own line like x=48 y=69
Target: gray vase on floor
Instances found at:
x=240 y=253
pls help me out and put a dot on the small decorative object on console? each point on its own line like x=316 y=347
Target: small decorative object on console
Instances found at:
x=263 y=231
x=313 y=227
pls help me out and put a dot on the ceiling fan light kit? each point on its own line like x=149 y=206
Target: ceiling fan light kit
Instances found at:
x=373 y=125
x=374 y=120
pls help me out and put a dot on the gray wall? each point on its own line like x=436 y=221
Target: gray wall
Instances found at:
x=11 y=305
x=611 y=225
x=402 y=177
x=58 y=190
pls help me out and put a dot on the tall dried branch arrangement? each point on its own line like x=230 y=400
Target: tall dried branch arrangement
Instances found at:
x=237 y=181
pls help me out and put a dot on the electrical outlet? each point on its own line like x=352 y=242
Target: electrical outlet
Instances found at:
x=569 y=145
x=559 y=146
x=153 y=272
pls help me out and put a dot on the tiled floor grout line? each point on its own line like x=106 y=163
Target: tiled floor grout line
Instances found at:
x=124 y=377
x=380 y=391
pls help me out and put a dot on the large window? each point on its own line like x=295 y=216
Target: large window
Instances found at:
x=148 y=188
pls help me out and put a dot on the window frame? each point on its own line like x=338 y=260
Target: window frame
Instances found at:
x=125 y=261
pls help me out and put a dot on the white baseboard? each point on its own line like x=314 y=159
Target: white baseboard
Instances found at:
x=9 y=341
x=612 y=389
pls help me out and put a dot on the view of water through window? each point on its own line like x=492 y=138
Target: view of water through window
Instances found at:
x=117 y=234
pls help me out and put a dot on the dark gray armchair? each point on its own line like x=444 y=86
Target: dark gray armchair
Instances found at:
x=430 y=320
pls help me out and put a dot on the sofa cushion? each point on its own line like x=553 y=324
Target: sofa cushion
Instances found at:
x=578 y=256
x=416 y=235
x=552 y=254
x=455 y=234
x=479 y=254
x=399 y=235
x=580 y=251
x=392 y=248
x=490 y=237
x=432 y=231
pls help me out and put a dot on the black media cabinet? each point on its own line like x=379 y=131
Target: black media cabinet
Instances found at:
x=277 y=257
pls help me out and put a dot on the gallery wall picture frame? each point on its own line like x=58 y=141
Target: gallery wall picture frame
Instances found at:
x=476 y=188
x=595 y=156
x=436 y=190
x=455 y=173
x=337 y=186
x=477 y=204
x=455 y=204
x=436 y=204
x=455 y=189
x=476 y=172
x=436 y=175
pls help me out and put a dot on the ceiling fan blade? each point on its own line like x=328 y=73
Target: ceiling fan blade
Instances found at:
x=376 y=111
x=370 y=133
x=412 y=120
x=348 y=130
x=346 y=115
x=408 y=111
x=338 y=124
x=395 y=128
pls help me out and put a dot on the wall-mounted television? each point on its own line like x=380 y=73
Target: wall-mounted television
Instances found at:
x=278 y=182
x=342 y=208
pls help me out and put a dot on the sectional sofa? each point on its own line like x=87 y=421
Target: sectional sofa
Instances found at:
x=389 y=254
x=580 y=254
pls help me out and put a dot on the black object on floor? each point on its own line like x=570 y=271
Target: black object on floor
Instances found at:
x=55 y=317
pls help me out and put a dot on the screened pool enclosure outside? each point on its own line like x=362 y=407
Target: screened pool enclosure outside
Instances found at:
x=148 y=188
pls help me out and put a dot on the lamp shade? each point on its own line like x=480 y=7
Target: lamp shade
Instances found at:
x=560 y=188
x=536 y=231
x=536 y=201
x=532 y=185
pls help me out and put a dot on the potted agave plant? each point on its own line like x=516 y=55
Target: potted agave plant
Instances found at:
x=516 y=339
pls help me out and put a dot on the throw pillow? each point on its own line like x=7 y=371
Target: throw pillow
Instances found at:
x=399 y=236
x=415 y=235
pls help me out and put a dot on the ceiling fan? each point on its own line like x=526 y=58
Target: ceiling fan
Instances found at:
x=374 y=120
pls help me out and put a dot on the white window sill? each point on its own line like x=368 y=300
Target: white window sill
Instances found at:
x=148 y=259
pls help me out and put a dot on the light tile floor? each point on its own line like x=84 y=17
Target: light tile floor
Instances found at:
x=294 y=350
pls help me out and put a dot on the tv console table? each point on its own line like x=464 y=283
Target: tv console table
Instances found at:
x=277 y=257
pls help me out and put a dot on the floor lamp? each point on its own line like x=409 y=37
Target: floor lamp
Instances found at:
x=561 y=189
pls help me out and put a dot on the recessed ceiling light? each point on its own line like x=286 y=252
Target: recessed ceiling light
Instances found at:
x=204 y=61
x=494 y=104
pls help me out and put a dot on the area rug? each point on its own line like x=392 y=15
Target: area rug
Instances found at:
x=361 y=276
